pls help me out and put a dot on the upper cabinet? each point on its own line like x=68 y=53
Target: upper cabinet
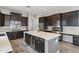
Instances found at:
x=50 y=20
x=24 y=21
x=18 y=17
x=7 y=20
x=56 y=18
x=15 y=16
x=53 y=20
x=2 y=19
x=70 y=18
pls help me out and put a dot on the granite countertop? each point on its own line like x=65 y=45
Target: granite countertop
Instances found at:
x=5 y=45
x=10 y=30
x=44 y=35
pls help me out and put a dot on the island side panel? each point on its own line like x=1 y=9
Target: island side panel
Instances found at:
x=46 y=46
x=53 y=45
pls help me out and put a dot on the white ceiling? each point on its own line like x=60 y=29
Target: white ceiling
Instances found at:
x=41 y=10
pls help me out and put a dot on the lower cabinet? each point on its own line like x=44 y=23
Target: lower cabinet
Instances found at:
x=28 y=39
x=15 y=35
x=40 y=45
x=76 y=40
x=35 y=42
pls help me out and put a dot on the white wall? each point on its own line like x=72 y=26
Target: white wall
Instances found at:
x=33 y=22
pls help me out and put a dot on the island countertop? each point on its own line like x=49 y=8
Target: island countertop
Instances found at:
x=44 y=35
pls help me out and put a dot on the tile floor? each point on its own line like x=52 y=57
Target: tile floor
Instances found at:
x=19 y=46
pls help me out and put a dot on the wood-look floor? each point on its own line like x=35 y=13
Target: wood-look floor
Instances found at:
x=68 y=48
x=19 y=46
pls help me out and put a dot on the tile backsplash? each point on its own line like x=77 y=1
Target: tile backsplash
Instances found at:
x=49 y=28
x=71 y=29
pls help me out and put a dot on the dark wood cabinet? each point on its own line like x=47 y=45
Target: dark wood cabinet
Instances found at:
x=50 y=20
x=7 y=20
x=19 y=34
x=55 y=18
x=15 y=35
x=76 y=40
x=24 y=21
x=18 y=17
x=70 y=18
x=2 y=19
x=47 y=21
x=15 y=16
x=40 y=45
x=28 y=38
x=35 y=42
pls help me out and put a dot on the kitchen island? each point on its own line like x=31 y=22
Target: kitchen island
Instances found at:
x=42 y=42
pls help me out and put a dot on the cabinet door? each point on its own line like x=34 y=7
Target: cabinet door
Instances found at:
x=15 y=16
x=28 y=39
x=19 y=34
x=49 y=21
x=76 y=40
x=55 y=18
x=1 y=19
x=15 y=35
x=24 y=21
x=11 y=35
x=7 y=20
x=40 y=45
